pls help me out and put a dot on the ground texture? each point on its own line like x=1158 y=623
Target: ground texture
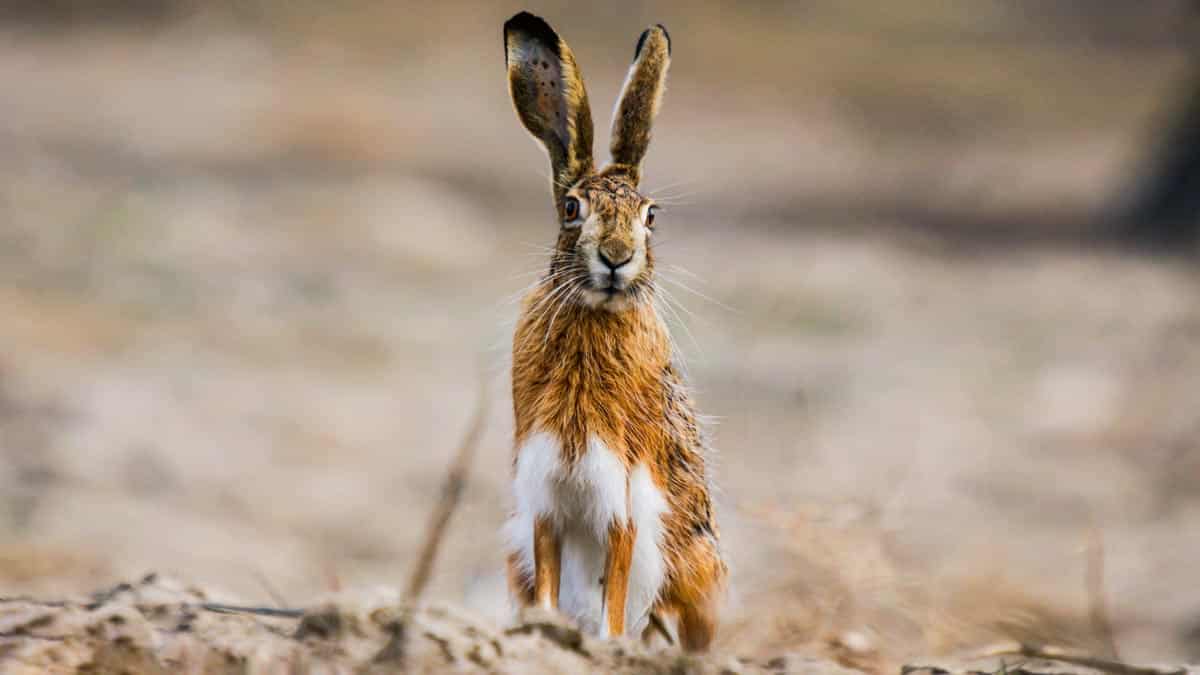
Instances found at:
x=158 y=626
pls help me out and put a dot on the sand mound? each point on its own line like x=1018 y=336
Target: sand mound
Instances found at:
x=162 y=626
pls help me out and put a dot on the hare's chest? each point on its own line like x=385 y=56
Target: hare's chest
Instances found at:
x=588 y=491
x=590 y=412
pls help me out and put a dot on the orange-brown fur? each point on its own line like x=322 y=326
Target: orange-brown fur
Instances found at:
x=640 y=100
x=616 y=575
x=549 y=550
x=611 y=375
x=582 y=371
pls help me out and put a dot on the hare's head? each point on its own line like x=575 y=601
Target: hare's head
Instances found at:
x=603 y=253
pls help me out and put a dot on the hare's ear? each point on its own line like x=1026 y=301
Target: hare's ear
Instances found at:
x=639 y=100
x=547 y=91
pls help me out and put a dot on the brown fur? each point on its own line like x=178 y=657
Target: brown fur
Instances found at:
x=616 y=575
x=697 y=624
x=640 y=100
x=583 y=371
x=610 y=375
x=547 y=551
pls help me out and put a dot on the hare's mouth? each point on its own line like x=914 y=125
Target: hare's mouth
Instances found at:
x=610 y=284
x=608 y=294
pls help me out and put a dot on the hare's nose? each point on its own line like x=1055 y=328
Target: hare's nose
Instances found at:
x=615 y=253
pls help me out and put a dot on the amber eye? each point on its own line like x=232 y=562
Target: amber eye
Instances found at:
x=570 y=209
x=650 y=216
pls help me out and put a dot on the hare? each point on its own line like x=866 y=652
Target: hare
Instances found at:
x=613 y=524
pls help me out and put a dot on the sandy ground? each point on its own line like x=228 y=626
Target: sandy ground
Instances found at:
x=247 y=296
x=159 y=626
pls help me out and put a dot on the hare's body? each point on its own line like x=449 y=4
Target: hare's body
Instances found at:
x=606 y=433
x=613 y=520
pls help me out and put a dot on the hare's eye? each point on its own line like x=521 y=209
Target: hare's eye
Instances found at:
x=570 y=209
x=650 y=217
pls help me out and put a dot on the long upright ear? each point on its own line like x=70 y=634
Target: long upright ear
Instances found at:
x=547 y=91
x=639 y=100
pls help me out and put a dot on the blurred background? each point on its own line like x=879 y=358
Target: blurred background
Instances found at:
x=936 y=262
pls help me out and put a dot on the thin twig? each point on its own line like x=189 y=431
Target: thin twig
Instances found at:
x=452 y=488
x=272 y=592
x=657 y=624
x=260 y=611
x=1097 y=607
x=1074 y=657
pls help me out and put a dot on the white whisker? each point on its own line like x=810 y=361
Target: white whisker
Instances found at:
x=674 y=201
x=669 y=303
x=698 y=294
x=563 y=302
x=668 y=186
x=676 y=353
x=685 y=271
x=548 y=301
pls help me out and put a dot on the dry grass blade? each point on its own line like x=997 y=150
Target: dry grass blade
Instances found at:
x=1075 y=657
x=269 y=588
x=452 y=487
x=221 y=608
x=1097 y=605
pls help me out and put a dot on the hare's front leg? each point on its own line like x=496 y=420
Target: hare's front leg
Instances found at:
x=617 y=562
x=547 y=563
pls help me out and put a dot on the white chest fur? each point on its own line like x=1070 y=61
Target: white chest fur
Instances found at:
x=582 y=500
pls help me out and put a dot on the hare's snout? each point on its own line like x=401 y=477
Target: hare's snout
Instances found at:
x=610 y=245
x=614 y=265
x=615 y=253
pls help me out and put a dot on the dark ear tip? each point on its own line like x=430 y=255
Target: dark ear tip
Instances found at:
x=666 y=35
x=520 y=19
x=637 y=51
x=533 y=26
